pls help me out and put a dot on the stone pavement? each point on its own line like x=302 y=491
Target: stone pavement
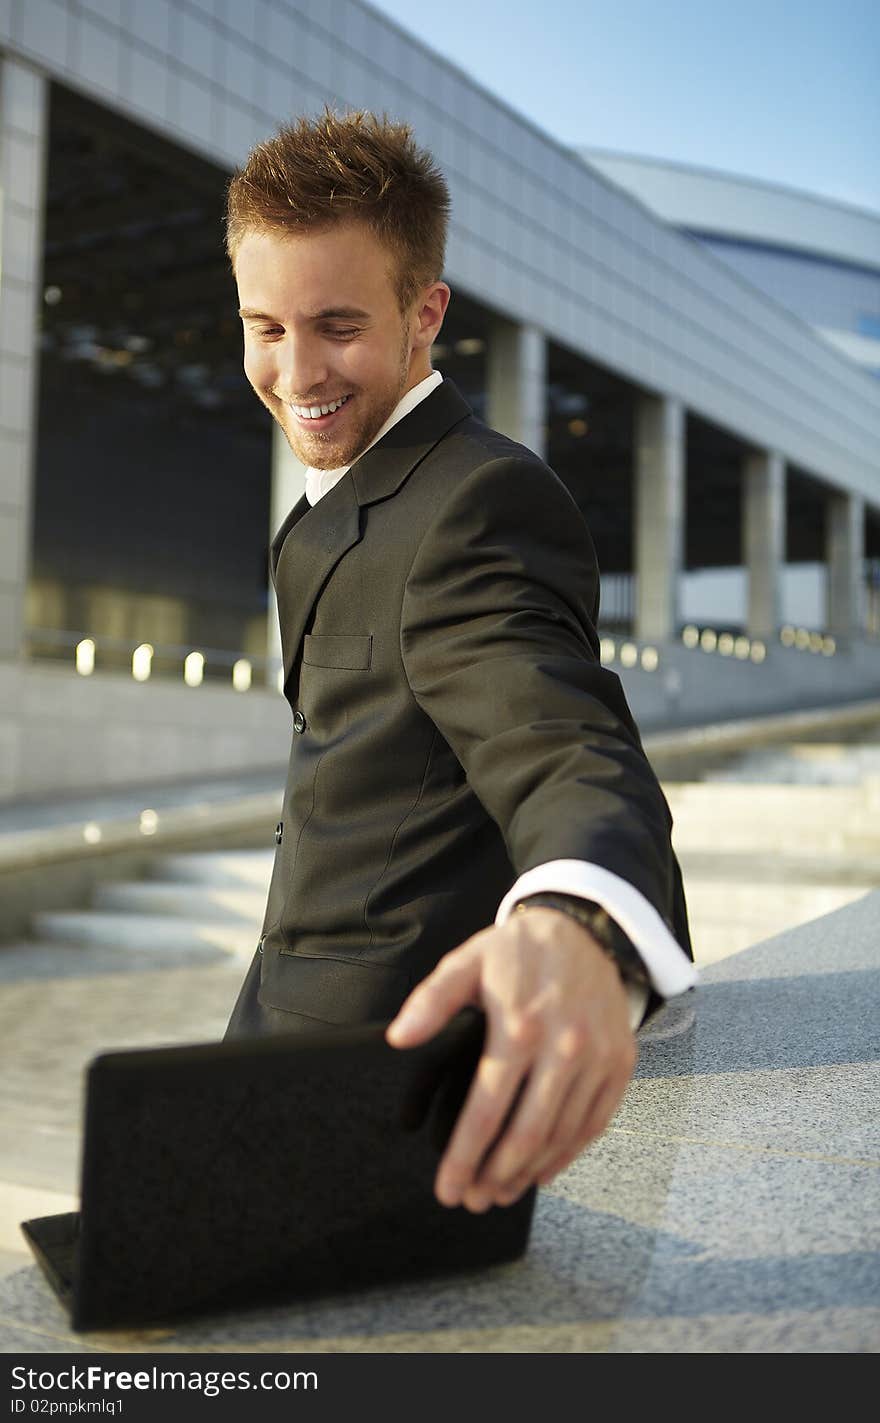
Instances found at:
x=733 y=1205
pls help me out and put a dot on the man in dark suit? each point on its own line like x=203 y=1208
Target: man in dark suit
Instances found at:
x=469 y=817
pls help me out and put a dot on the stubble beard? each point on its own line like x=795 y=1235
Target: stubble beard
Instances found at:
x=325 y=451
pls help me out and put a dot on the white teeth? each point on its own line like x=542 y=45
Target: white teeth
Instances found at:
x=312 y=412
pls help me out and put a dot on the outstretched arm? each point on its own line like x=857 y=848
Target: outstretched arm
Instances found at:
x=499 y=644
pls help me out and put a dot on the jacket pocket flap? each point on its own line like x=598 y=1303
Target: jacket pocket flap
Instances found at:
x=352 y=653
x=332 y=990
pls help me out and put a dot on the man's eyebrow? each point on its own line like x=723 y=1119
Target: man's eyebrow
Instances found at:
x=330 y=313
x=340 y=313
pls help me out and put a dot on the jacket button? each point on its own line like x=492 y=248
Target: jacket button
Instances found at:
x=299 y=722
x=279 y=832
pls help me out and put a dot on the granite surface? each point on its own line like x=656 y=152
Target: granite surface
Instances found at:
x=733 y=1205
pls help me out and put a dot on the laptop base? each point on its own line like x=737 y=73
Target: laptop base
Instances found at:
x=227 y=1174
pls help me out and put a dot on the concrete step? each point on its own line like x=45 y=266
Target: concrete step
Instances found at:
x=787 y=904
x=224 y=868
x=804 y=821
x=198 y=899
x=190 y=938
x=813 y=841
x=744 y=866
x=717 y=931
x=734 y=802
x=714 y=942
x=772 y=794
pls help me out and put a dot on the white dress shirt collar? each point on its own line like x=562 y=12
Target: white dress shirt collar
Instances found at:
x=318 y=481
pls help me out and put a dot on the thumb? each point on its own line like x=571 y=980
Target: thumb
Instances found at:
x=452 y=985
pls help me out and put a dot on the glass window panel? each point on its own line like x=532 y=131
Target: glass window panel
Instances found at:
x=162 y=536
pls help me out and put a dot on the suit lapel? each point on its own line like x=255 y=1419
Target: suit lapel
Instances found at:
x=309 y=551
x=313 y=538
x=380 y=472
x=301 y=507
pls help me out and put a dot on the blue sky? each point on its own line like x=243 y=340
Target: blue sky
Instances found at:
x=784 y=90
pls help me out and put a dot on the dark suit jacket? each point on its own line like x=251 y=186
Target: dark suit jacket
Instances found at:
x=452 y=724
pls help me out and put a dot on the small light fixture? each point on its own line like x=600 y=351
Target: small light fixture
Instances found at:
x=629 y=654
x=829 y=647
x=708 y=640
x=85 y=657
x=470 y=346
x=786 y=636
x=802 y=639
x=690 y=636
x=741 y=648
x=758 y=652
x=241 y=675
x=92 y=833
x=193 y=669
x=142 y=662
x=650 y=659
x=149 y=822
x=726 y=644
x=607 y=649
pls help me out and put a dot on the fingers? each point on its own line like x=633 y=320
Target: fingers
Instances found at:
x=557 y=1118
x=452 y=985
x=491 y=1095
x=531 y=1124
x=565 y=1149
x=533 y=1139
x=589 y=1108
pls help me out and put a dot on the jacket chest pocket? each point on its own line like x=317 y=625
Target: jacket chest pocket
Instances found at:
x=350 y=654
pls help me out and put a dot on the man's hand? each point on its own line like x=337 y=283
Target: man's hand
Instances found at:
x=559 y=1051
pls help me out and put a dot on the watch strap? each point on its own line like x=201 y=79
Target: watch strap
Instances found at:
x=608 y=934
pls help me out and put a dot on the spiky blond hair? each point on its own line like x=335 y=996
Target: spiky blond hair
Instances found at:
x=315 y=173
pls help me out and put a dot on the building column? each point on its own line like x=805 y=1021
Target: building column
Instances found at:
x=288 y=486
x=23 y=142
x=517 y=383
x=844 y=555
x=659 y=515
x=763 y=524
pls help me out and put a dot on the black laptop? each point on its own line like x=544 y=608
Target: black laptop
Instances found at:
x=234 y=1173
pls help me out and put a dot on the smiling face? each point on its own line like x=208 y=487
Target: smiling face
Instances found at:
x=326 y=346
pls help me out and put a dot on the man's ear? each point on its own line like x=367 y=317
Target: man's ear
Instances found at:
x=429 y=313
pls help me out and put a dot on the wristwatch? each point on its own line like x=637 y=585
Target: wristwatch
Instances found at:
x=608 y=935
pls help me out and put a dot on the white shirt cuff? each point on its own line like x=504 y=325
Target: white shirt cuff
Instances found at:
x=637 y=997
x=668 y=966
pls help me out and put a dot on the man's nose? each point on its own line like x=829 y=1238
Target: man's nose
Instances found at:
x=302 y=368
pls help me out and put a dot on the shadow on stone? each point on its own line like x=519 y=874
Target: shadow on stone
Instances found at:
x=813 y=1021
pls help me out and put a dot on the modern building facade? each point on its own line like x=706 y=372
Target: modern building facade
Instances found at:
x=817 y=258
x=698 y=425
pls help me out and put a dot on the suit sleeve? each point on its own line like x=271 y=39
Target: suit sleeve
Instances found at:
x=499 y=645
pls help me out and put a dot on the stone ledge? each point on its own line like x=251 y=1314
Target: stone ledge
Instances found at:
x=731 y=1206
